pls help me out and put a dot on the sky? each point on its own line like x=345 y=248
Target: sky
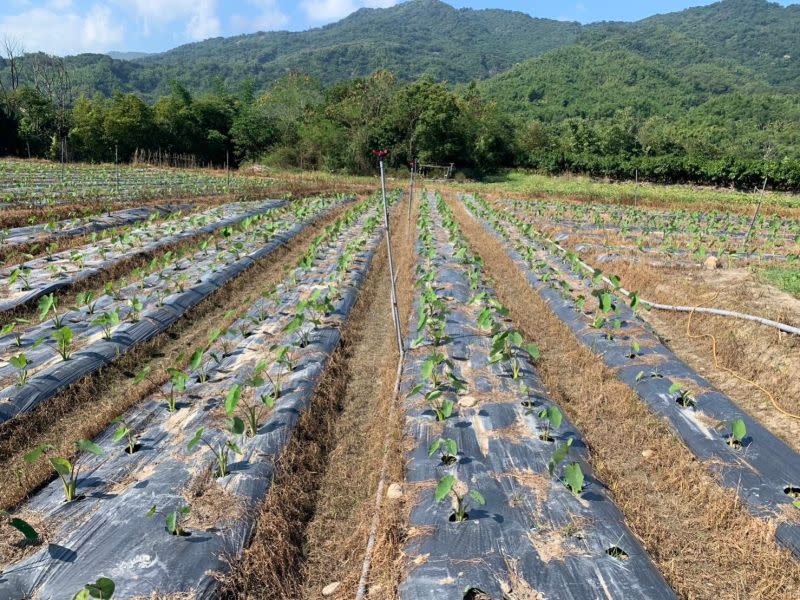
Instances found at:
x=74 y=26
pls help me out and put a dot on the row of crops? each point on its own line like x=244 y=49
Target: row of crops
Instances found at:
x=679 y=237
x=503 y=488
x=43 y=184
x=221 y=420
x=501 y=496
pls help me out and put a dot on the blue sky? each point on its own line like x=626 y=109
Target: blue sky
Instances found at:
x=73 y=26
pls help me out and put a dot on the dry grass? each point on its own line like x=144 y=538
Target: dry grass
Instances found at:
x=313 y=526
x=699 y=535
x=757 y=353
x=86 y=408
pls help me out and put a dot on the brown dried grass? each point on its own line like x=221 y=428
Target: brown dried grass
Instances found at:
x=313 y=526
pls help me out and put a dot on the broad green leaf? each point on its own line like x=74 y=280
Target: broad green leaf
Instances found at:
x=172 y=521
x=196 y=439
x=232 y=398
x=739 y=430
x=435 y=446
x=559 y=454
x=573 y=476
x=477 y=497
x=675 y=388
x=141 y=375
x=533 y=351
x=62 y=466
x=152 y=511
x=103 y=589
x=34 y=454
x=443 y=487
x=88 y=446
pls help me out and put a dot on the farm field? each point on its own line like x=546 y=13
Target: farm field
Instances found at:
x=202 y=393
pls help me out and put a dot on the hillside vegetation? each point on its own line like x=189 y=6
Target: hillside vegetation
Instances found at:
x=708 y=95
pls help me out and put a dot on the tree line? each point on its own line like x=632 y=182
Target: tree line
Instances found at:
x=298 y=122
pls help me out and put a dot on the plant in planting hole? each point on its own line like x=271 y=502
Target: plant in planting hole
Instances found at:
x=447 y=449
x=738 y=433
x=174 y=520
x=63 y=340
x=136 y=306
x=102 y=589
x=20 y=363
x=108 y=320
x=251 y=408
x=505 y=346
x=573 y=478
x=559 y=455
x=109 y=290
x=178 y=379
x=88 y=300
x=635 y=349
x=683 y=396
x=11 y=327
x=123 y=431
x=22 y=274
x=222 y=449
x=47 y=304
x=550 y=417
x=460 y=496
x=25 y=528
x=67 y=472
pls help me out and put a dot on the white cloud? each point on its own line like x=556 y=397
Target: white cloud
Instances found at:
x=200 y=15
x=52 y=30
x=331 y=10
x=268 y=18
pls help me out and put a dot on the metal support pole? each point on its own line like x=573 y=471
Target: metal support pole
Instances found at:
x=395 y=311
x=755 y=215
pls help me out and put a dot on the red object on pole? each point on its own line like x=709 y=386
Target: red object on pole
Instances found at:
x=380 y=153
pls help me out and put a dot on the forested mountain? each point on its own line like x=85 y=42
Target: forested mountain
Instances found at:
x=708 y=94
x=415 y=38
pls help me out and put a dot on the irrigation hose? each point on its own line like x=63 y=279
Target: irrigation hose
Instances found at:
x=687 y=309
x=734 y=373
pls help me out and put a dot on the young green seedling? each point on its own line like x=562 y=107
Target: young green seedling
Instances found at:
x=108 y=321
x=447 y=448
x=67 y=472
x=25 y=528
x=88 y=300
x=173 y=520
x=20 y=363
x=47 y=304
x=559 y=455
x=551 y=417
x=223 y=449
x=684 y=397
x=102 y=589
x=124 y=432
x=63 y=340
x=573 y=478
x=460 y=496
x=178 y=380
x=738 y=433
x=251 y=409
x=23 y=274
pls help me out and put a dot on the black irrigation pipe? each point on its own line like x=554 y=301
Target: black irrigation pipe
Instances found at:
x=764 y=471
x=47 y=384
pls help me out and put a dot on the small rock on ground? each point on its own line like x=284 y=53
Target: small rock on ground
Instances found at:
x=711 y=263
x=395 y=491
x=330 y=589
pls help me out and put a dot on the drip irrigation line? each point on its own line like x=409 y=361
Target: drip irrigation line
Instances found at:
x=376 y=517
x=675 y=308
x=392 y=287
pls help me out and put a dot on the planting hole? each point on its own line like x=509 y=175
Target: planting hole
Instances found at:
x=546 y=437
x=476 y=594
x=792 y=491
x=528 y=404
x=449 y=460
x=617 y=552
x=136 y=448
x=452 y=519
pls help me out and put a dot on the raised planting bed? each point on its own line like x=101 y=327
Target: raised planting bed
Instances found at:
x=44 y=233
x=101 y=330
x=33 y=279
x=745 y=456
x=504 y=503
x=168 y=517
